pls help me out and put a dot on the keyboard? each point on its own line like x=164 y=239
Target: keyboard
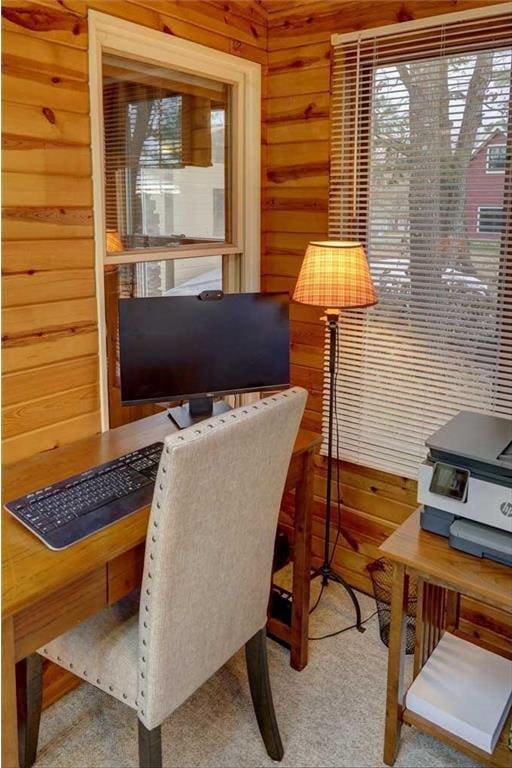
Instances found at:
x=68 y=511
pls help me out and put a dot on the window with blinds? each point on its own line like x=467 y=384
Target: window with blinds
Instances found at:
x=166 y=136
x=420 y=115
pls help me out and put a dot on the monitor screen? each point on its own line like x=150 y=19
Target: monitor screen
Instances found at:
x=178 y=347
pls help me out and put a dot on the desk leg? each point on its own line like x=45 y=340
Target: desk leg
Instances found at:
x=9 y=716
x=302 y=564
x=396 y=657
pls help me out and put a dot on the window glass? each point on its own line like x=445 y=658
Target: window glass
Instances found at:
x=496 y=157
x=166 y=137
x=490 y=220
x=172 y=277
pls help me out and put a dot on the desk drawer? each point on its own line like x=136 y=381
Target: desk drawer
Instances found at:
x=124 y=573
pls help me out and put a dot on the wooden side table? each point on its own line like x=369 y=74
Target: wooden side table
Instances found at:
x=443 y=575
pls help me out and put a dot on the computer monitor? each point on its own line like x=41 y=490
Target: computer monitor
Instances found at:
x=197 y=347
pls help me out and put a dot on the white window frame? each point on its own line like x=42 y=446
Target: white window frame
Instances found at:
x=487 y=208
x=490 y=170
x=116 y=36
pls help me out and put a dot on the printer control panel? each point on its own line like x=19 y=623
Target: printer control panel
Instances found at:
x=449 y=481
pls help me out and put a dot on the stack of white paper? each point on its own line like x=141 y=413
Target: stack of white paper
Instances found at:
x=464 y=689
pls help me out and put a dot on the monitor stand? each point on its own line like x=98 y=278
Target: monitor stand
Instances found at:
x=198 y=409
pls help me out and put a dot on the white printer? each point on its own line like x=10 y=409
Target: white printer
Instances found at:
x=465 y=485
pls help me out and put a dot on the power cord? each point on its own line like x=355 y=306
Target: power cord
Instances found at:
x=345 y=629
x=317 y=600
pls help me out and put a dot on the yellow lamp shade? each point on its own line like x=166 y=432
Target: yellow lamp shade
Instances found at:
x=335 y=274
x=114 y=242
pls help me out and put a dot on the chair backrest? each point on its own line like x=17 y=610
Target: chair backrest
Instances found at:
x=209 y=547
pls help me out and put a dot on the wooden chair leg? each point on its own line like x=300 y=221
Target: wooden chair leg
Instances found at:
x=150 y=747
x=29 y=697
x=259 y=683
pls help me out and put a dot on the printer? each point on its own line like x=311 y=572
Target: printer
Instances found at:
x=465 y=485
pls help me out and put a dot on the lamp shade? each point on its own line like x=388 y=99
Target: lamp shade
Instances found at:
x=114 y=242
x=335 y=275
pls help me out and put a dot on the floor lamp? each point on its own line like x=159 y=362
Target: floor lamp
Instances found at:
x=334 y=275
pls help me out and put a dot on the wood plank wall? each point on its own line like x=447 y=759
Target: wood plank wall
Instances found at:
x=49 y=305
x=50 y=366
x=296 y=131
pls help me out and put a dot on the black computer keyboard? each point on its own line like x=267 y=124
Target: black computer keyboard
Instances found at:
x=68 y=511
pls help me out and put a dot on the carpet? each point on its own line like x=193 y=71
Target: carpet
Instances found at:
x=330 y=714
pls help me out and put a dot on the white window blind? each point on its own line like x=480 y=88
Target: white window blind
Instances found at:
x=166 y=150
x=414 y=111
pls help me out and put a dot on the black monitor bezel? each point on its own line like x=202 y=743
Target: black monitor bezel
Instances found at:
x=217 y=393
x=223 y=393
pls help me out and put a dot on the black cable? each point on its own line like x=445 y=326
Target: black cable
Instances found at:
x=317 y=600
x=345 y=629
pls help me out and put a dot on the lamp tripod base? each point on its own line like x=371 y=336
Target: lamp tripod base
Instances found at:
x=326 y=574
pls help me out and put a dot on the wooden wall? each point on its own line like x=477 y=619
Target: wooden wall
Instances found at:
x=49 y=305
x=295 y=195
x=50 y=367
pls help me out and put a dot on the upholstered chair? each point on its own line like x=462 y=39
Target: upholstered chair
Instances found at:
x=205 y=589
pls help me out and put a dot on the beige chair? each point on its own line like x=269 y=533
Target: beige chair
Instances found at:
x=206 y=581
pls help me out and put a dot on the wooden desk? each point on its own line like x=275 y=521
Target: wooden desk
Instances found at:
x=443 y=575
x=46 y=593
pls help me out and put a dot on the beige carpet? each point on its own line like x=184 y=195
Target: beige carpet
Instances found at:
x=330 y=714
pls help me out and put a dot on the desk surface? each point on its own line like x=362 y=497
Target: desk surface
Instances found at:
x=431 y=555
x=29 y=570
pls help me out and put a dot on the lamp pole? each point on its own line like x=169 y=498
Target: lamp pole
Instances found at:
x=326 y=572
